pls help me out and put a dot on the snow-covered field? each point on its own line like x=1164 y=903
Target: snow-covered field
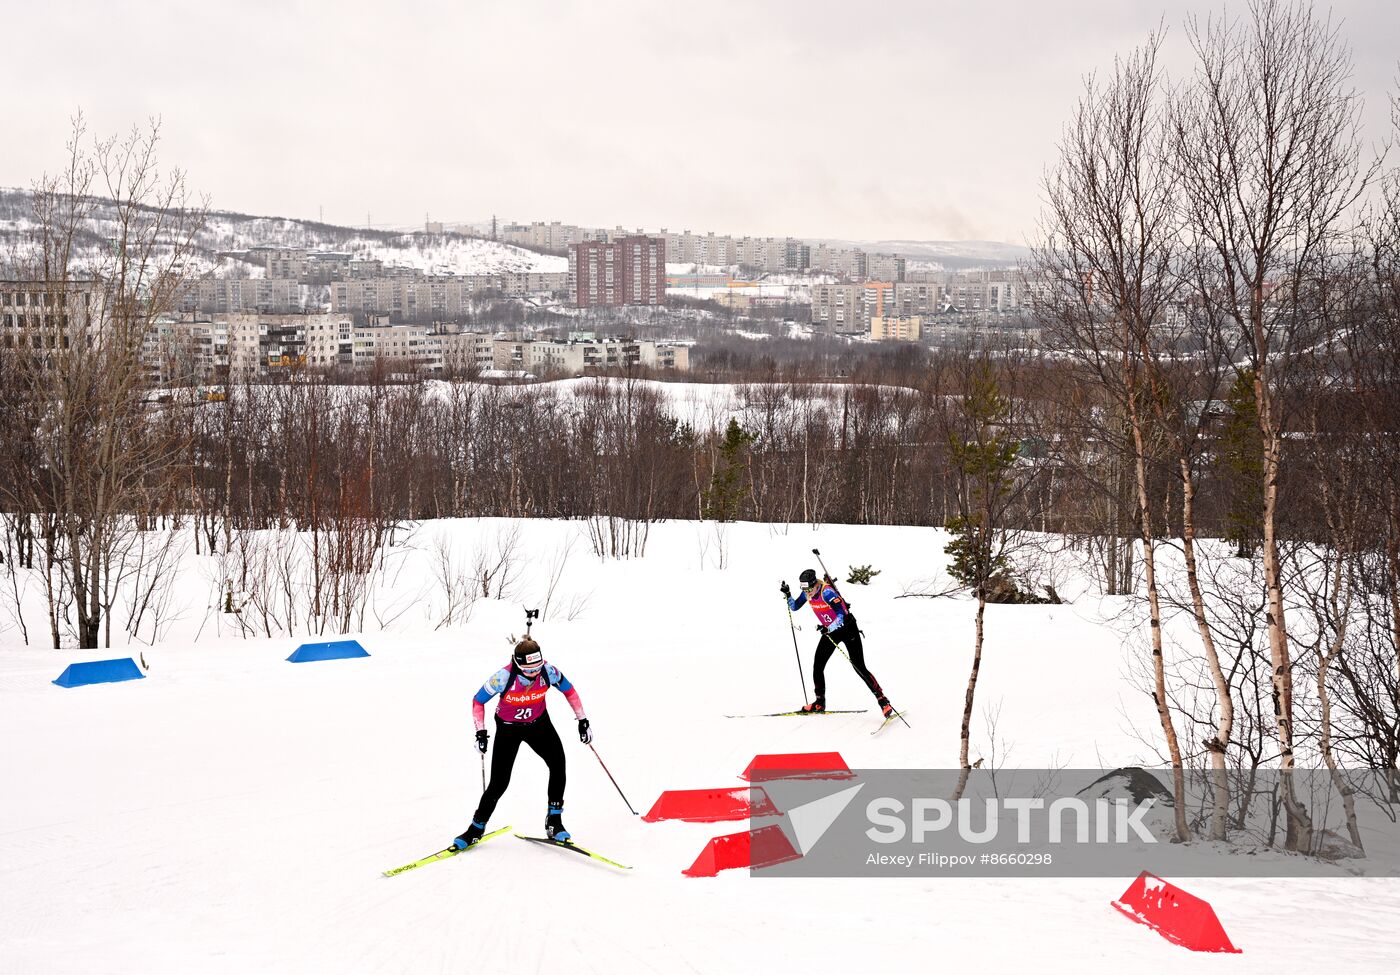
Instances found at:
x=232 y=812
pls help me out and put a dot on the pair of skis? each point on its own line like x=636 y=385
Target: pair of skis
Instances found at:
x=894 y=716
x=452 y=851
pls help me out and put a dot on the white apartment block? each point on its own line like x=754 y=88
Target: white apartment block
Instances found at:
x=405 y=348
x=578 y=356
x=663 y=355
x=846 y=262
x=466 y=352
x=261 y=342
x=329 y=341
x=47 y=314
x=555 y=236
x=438 y=297
x=766 y=254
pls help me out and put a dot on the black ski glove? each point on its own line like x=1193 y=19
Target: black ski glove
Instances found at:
x=786 y=591
x=481 y=738
x=821 y=628
x=585 y=734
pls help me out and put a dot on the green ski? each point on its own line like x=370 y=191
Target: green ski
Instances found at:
x=446 y=854
x=570 y=845
x=897 y=716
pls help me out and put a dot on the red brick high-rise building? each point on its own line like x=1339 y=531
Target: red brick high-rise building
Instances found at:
x=625 y=271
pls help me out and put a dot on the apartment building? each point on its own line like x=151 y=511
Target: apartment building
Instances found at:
x=993 y=292
x=329 y=341
x=285 y=262
x=836 y=307
x=579 y=355
x=518 y=284
x=709 y=248
x=875 y=298
x=896 y=328
x=47 y=315
x=628 y=271
x=987 y=291
x=185 y=351
x=259 y=342
x=918 y=298
x=404 y=348
x=845 y=262
x=849 y=308
x=665 y=355
x=770 y=255
x=885 y=267
x=438 y=296
x=466 y=352
x=555 y=237
x=210 y=295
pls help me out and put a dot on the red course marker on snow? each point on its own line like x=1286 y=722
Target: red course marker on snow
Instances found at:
x=1179 y=917
x=752 y=848
x=710 y=805
x=804 y=765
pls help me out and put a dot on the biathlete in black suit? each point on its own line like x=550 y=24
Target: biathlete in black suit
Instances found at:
x=837 y=625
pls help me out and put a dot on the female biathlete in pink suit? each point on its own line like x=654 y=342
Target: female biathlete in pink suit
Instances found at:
x=837 y=625
x=521 y=718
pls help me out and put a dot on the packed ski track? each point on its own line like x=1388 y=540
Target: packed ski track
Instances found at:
x=233 y=812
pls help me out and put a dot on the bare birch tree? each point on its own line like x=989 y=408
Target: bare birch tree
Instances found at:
x=1266 y=150
x=1111 y=248
x=112 y=240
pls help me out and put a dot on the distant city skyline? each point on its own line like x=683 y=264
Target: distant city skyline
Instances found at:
x=902 y=120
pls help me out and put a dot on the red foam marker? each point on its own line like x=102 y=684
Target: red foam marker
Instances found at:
x=803 y=765
x=751 y=848
x=710 y=805
x=1179 y=917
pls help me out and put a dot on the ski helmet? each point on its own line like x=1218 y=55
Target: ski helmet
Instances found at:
x=808 y=578
x=528 y=656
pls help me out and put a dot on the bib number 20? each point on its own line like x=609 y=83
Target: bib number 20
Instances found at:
x=524 y=714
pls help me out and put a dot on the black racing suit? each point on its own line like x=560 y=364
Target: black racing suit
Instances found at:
x=847 y=633
x=540 y=736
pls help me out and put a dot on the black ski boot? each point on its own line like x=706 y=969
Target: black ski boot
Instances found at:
x=554 y=823
x=471 y=837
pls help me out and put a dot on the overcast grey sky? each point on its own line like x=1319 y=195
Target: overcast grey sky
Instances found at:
x=870 y=120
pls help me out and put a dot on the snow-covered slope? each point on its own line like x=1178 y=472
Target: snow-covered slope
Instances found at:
x=230 y=232
x=232 y=812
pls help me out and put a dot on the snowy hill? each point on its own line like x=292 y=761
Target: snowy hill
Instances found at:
x=235 y=232
x=233 y=812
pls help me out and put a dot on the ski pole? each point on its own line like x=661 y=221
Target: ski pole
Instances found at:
x=853 y=663
x=841 y=648
x=483 y=771
x=792 y=627
x=611 y=779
